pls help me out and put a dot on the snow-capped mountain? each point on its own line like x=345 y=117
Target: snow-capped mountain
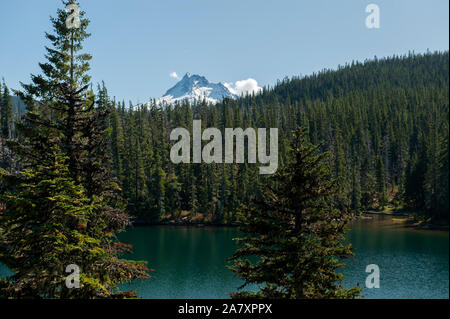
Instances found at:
x=196 y=88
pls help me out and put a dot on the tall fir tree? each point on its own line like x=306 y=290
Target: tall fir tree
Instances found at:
x=381 y=184
x=7 y=113
x=72 y=202
x=293 y=235
x=7 y=126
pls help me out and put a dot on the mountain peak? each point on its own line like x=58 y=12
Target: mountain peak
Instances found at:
x=196 y=88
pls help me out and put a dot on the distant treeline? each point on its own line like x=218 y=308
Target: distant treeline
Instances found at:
x=385 y=123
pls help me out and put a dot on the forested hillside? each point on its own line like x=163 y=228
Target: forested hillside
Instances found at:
x=385 y=123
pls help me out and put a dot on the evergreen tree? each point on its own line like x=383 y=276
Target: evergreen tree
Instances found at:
x=381 y=184
x=376 y=127
x=47 y=226
x=356 y=199
x=1 y=127
x=372 y=124
x=443 y=187
x=117 y=141
x=293 y=233
x=6 y=119
x=62 y=145
x=7 y=116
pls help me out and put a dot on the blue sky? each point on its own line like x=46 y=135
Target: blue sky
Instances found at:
x=136 y=44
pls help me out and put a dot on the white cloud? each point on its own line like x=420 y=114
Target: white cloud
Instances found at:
x=174 y=75
x=244 y=87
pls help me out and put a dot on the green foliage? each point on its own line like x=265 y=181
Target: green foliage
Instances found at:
x=381 y=121
x=384 y=122
x=48 y=225
x=294 y=233
x=6 y=113
x=64 y=206
x=6 y=126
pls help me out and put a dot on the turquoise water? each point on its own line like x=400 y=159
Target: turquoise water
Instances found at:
x=190 y=261
x=413 y=263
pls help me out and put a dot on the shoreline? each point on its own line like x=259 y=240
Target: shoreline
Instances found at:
x=427 y=226
x=364 y=215
x=141 y=223
x=393 y=213
x=421 y=225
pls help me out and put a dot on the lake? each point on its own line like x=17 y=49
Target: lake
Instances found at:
x=190 y=261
